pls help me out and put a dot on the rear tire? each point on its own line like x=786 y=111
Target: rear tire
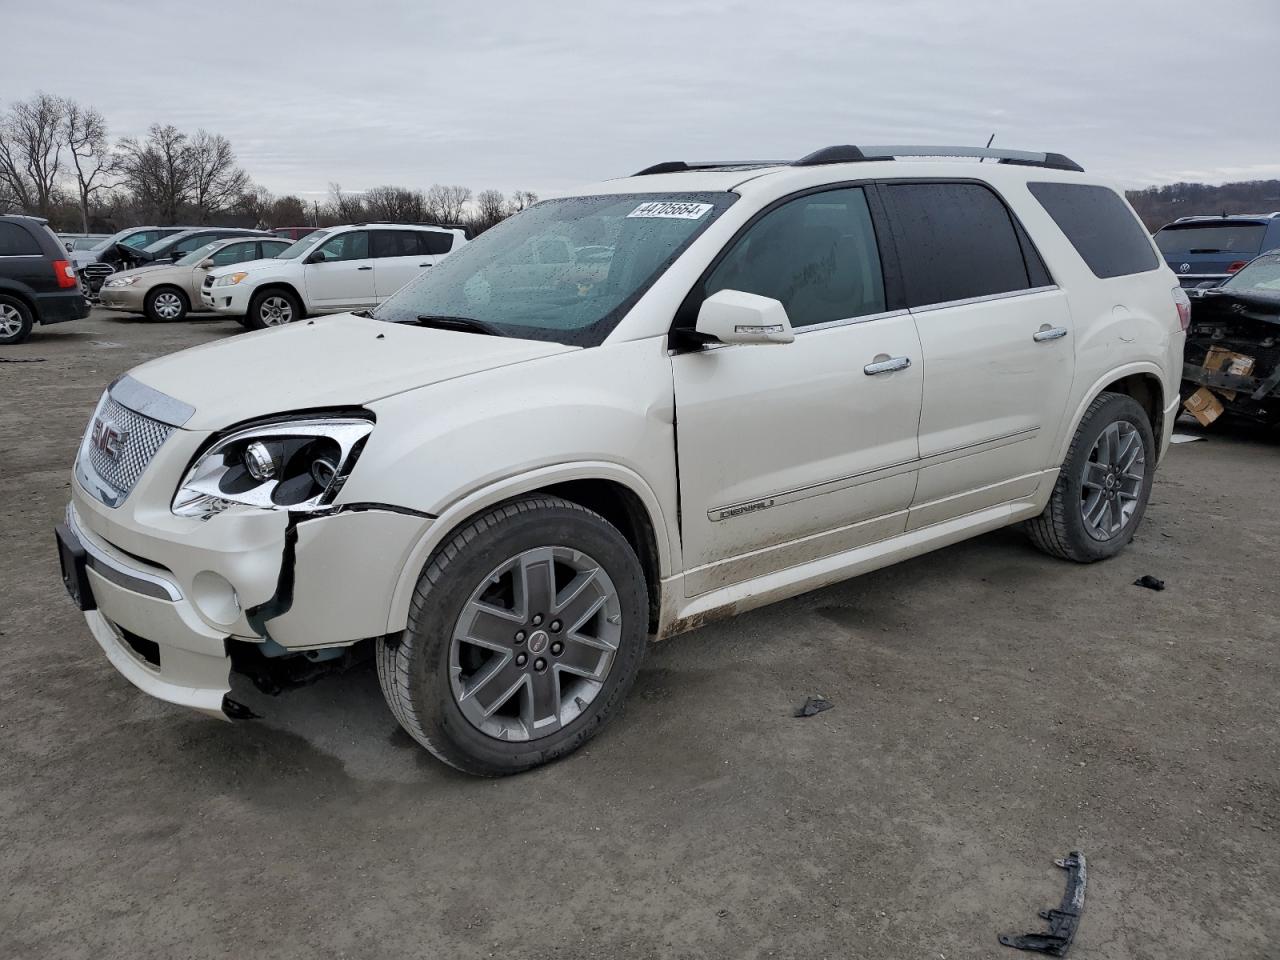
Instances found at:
x=272 y=308
x=535 y=687
x=166 y=304
x=15 y=321
x=1104 y=485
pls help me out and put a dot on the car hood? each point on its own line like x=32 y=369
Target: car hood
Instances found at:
x=152 y=271
x=337 y=361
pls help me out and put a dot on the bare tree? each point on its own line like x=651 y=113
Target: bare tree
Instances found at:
x=31 y=142
x=157 y=172
x=215 y=180
x=288 y=211
x=345 y=207
x=491 y=208
x=520 y=200
x=85 y=132
x=447 y=204
x=397 y=204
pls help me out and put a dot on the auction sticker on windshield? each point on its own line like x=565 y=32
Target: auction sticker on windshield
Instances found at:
x=671 y=209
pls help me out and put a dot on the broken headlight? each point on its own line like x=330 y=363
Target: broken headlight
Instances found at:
x=291 y=465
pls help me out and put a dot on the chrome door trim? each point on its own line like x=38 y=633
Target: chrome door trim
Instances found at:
x=729 y=511
x=987 y=298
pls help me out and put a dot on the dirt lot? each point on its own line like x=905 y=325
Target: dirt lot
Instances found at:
x=994 y=709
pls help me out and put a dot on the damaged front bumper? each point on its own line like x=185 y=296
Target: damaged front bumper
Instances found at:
x=170 y=599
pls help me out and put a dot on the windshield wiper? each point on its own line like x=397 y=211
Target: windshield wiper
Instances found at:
x=459 y=323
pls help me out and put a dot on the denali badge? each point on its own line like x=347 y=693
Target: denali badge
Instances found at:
x=107 y=439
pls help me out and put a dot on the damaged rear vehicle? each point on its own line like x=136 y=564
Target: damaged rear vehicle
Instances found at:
x=621 y=414
x=1232 y=362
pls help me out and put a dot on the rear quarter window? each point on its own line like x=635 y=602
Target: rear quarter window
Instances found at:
x=16 y=242
x=1104 y=231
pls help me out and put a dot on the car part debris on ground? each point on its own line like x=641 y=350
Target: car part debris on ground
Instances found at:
x=1064 y=921
x=813 y=705
x=1150 y=582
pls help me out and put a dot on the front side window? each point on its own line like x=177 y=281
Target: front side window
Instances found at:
x=956 y=241
x=352 y=245
x=190 y=243
x=816 y=254
x=198 y=254
x=300 y=247
x=500 y=280
x=273 y=248
x=1100 y=225
x=139 y=241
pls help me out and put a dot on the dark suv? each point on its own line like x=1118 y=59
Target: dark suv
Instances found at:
x=37 y=282
x=1204 y=251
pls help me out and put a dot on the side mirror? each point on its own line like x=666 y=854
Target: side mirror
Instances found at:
x=317 y=257
x=731 y=316
x=206 y=264
x=69 y=245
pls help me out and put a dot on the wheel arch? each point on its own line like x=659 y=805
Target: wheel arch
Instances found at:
x=152 y=291
x=617 y=493
x=23 y=297
x=285 y=285
x=1141 y=381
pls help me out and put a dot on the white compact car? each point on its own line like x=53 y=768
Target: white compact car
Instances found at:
x=757 y=380
x=329 y=271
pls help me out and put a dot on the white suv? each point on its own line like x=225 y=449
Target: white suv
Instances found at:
x=331 y=270
x=736 y=383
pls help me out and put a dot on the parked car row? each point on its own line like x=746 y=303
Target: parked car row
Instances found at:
x=1205 y=251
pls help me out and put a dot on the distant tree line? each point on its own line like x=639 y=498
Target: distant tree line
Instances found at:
x=57 y=161
x=1160 y=205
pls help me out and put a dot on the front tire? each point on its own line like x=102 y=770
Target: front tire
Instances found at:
x=272 y=308
x=166 y=304
x=15 y=321
x=1104 y=485
x=526 y=631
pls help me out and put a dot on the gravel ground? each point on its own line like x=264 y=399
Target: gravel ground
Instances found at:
x=994 y=709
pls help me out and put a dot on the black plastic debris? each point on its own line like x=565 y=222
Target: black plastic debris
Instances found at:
x=1150 y=582
x=814 y=705
x=1064 y=921
x=21 y=359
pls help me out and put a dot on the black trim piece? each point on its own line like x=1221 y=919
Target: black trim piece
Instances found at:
x=843 y=153
x=372 y=507
x=683 y=166
x=1065 y=920
x=1052 y=161
x=282 y=600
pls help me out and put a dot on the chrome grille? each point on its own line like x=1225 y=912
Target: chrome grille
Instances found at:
x=139 y=438
x=99 y=271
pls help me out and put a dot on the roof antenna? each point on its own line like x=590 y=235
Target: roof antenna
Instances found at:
x=988 y=146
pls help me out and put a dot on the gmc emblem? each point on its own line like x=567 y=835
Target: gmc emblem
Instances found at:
x=107 y=439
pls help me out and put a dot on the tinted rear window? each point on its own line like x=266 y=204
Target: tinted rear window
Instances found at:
x=957 y=241
x=1100 y=225
x=433 y=243
x=1241 y=238
x=16 y=242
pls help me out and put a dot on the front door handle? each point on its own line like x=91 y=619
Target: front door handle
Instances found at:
x=1049 y=333
x=887 y=366
x=424 y=264
x=364 y=268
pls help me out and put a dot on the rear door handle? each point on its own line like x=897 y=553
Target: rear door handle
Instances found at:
x=1051 y=333
x=887 y=366
x=364 y=268
x=424 y=264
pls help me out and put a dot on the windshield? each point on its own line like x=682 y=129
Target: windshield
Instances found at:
x=299 y=247
x=563 y=270
x=1260 y=276
x=198 y=254
x=111 y=241
x=1233 y=238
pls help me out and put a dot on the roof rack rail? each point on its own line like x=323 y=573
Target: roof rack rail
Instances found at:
x=848 y=153
x=681 y=166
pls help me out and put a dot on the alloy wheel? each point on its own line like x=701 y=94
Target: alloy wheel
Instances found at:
x=10 y=320
x=1111 y=486
x=275 y=311
x=534 y=644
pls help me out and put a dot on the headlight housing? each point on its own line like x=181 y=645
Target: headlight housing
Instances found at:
x=296 y=465
x=231 y=279
x=122 y=281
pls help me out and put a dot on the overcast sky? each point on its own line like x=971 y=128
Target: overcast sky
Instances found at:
x=543 y=96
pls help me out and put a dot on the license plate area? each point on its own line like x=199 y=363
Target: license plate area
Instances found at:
x=71 y=558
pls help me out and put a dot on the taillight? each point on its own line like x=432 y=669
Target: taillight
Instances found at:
x=1183 y=303
x=65 y=273
x=1238 y=265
